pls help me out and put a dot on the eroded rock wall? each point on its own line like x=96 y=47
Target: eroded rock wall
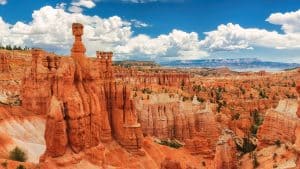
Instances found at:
x=83 y=103
x=170 y=118
x=279 y=124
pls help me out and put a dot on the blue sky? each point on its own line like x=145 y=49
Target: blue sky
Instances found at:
x=159 y=29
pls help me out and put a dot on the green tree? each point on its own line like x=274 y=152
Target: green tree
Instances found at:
x=21 y=167
x=17 y=154
x=255 y=161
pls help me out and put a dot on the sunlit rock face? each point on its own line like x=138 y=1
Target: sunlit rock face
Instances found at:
x=226 y=152
x=298 y=90
x=280 y=123
x=83 y=103
x=147 y=78
x=18 y=131
x=168 y=117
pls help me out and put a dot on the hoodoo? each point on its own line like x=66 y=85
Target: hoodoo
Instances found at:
x=83 y=103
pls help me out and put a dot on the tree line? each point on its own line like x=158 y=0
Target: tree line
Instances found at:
x=14 y=47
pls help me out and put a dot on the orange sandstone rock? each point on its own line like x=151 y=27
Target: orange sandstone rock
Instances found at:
x=4 y=66
x=56 y=130
x=226 y=153
x=170 y=164
x=84 y=104
x=279 y=124
x=298 y=90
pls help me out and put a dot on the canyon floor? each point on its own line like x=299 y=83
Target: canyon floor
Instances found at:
x=82 y=112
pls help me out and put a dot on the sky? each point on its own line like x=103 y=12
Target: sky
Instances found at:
x=158 y=29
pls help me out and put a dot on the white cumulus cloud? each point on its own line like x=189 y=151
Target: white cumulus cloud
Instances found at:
x=50 y=29
x=139 y=24
x=289 y=22
x=78 y=5
x=3 y=2
x=75 y=9
x=234 y=37
x=61 y=5
x=177 y=44
x=84 y=3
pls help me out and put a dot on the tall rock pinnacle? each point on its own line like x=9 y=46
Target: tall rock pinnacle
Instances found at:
x=78 y=53
x=78 y=50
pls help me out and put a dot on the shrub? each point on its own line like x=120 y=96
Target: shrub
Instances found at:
x=251 y=96
x=220 y=105
x=21 y=167
x=262 y=94
x=257 y=118
x=182 y=84
x=197 y=88
x=235 y=116
x=242 y=90
x=184 y=98
x=292 y=96
x=247 y=146
x=17 y=154
x=277 y=143
x=294 y=84
x=274 y=156
x=4 y=164
x=257 y=121
x=286 y=147
x=171 y=143
x=200 y=99
x=147 y=91
x=254 y=129
x=255 y=162
x=219 y=93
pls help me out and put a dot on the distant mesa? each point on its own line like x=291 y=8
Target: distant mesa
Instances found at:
x=241 y=64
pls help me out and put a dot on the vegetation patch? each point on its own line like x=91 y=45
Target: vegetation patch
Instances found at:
x=262 y=94
x=277 y=143
x=257 y=120
x=21 y=167
x=9 y=47
x=255 y=161
x=171 y=143
x=246 y=146
x=4 y=164
x=147 y=91
x=17 y=154
x=235 y=116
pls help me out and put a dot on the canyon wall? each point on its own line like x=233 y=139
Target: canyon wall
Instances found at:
x=151 y=77
x=168 y=117
x=280 y=123
x=4 y=66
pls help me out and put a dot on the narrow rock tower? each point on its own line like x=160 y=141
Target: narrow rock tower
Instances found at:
x=78 y=53
x=78 y=50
